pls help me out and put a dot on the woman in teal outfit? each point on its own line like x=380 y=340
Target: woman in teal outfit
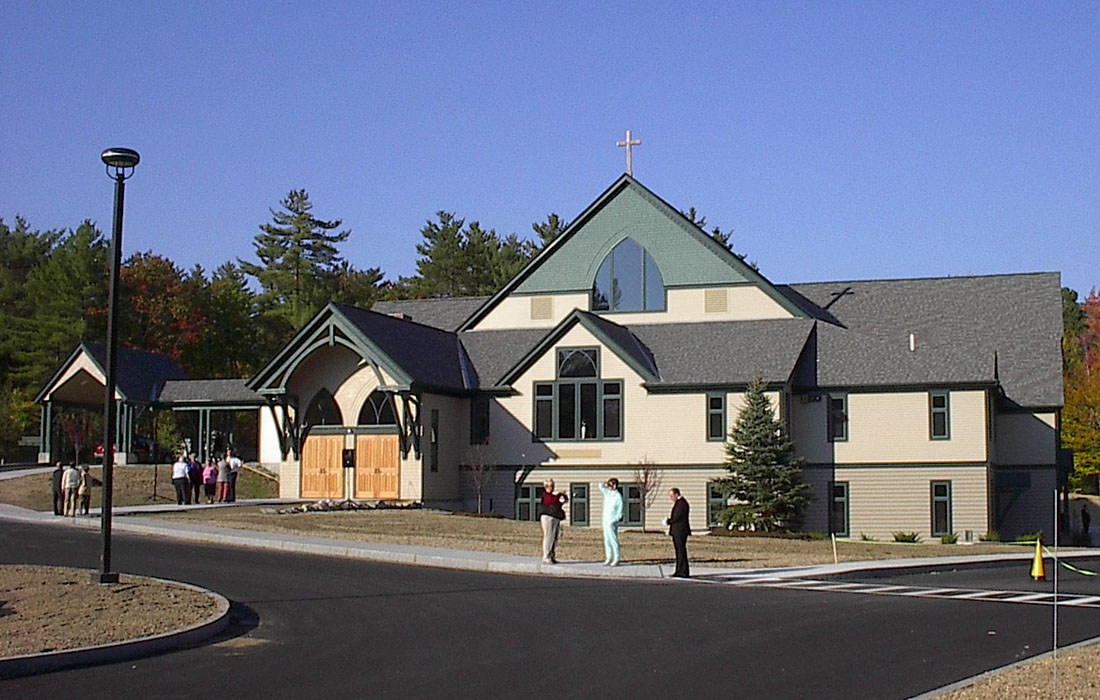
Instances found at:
x=612 y=514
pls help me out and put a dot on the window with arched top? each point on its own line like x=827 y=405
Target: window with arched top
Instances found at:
x=323 y=410
x=628 y=280
x=378 y=410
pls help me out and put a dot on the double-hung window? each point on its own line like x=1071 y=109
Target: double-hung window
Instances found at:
x=939 y=419
x=838 y=417
x=716 y=417
x=941 y=508
x=579 y=405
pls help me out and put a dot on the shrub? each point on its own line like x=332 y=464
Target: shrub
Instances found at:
x=866 y=538
x=816 y=536
x=991 y=536
x=950 y=539
x=907 y=537
x=1030 y=537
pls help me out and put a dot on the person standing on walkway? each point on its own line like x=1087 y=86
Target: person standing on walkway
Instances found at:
x=223 y=481
x=551 y=515
x=70 y=480
x=56 y=490
x=210 y=480
x=679 y=528
x=234 y=467
x=179 y=481
x=612 y=515
x=194 y=477
x=84 y=490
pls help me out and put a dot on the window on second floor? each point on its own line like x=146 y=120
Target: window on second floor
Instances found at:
x=838 y=417
x=578 y=405
x=939 y=419
x=716 y=417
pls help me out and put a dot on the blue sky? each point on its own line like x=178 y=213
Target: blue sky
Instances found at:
x=838 y=140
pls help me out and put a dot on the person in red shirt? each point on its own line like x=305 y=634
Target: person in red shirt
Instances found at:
x=551 y=515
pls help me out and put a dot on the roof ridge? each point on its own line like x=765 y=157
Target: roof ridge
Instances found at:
x=397 y=319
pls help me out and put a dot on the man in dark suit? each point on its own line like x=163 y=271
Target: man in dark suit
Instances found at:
x=679 y=529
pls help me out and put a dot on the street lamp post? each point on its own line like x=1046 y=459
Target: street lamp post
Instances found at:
x=120 y=164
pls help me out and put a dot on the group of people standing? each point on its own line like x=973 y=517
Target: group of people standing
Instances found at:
x=552 y=513
x=216 y=480
x=71 y=488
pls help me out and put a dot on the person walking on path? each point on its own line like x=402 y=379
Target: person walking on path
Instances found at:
x=194 y=477
x=679 y=528
x=210 y=480
x=551 y=515
x=56 y=490
x=234 y=467
x=1086 y=522
x=70 y=480
x=84 y=490
x=612 y=514
x=179 y=481
x=223 y=481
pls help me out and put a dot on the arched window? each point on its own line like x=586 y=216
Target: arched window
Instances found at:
x=628 y=280
x=323 y=410
x=378 y=410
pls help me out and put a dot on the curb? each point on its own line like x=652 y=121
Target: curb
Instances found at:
x=33 y=664
x=967 y=682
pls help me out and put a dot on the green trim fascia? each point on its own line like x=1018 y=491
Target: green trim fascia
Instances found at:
x=80 y=348
x=890 y=388
x=661 y=388
x=179 y=407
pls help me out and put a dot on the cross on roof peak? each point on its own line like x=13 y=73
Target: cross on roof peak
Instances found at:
x=628 y=144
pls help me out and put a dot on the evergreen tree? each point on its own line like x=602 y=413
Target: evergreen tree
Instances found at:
x=547 y=232
x=21 y=250
x=297 y=251
x=457 y=259
x=765 y=475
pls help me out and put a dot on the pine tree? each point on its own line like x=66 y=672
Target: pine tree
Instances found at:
x=295 y=251
x=765 y=475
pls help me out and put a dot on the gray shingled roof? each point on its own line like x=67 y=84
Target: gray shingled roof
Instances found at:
x=429 y=355
x=219 y=391
x=447 y=314
x=492 y=353
x=141 y=375
x=967 y=329
x=725 y=353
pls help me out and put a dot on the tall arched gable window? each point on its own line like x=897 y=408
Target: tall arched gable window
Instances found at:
x=378 y=410
x=323 y=410
x=628 y=280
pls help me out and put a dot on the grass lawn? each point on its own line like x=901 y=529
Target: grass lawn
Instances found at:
x=432 y=528
x=133 y=486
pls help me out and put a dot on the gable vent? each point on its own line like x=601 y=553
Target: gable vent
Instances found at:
x=715 y=301
x=542 y=308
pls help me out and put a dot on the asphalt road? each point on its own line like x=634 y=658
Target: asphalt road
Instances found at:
x=313 y=627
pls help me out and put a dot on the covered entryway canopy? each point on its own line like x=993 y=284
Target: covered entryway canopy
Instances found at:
x=146 y=382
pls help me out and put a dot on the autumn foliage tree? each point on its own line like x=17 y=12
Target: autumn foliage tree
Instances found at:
x=1081 y=378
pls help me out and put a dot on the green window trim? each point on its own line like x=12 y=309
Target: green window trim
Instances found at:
x=836 y=420
x=716 y=503
x=716 y=417
x=479 y=420
x=578 y=504
x=939 y=415
x=840 y=508
x=633 y=505
x=941 y=508
x=578 y=407
x=528 y=497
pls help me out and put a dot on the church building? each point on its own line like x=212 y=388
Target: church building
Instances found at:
x=624 y=350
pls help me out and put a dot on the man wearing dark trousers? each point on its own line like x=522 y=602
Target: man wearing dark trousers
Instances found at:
x=55 y=490
x=679 y=529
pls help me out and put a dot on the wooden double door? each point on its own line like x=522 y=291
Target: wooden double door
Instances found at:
x=377 y=467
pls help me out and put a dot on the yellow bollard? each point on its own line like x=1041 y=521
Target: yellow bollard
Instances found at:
x=1037 y=571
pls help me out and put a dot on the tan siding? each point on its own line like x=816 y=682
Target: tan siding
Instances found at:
x=884 y=500
x=744 y=303
x=1029 y=510
x=453 y=440
x=808 y=430
x=1026 y=438
x=516 y=312
x=691 y=482
x=893 y=428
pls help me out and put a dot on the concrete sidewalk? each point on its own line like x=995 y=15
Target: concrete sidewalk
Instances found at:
x=128 y=520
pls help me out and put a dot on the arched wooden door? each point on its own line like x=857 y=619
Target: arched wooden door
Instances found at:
x=376 y=467
x=322 y=467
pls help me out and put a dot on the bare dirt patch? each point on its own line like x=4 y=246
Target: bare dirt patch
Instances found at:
x=1078 y=679
x=429 y=528
x=45 y=608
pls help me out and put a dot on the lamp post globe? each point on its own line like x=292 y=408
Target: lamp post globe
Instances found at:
x=120 y=157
